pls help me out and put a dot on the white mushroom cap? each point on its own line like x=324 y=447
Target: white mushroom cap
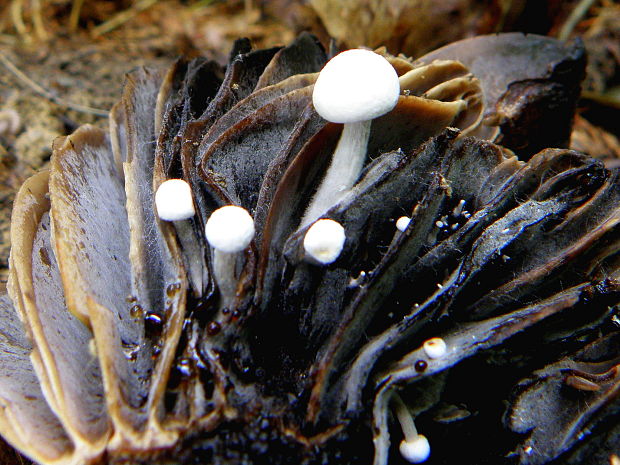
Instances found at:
x=416 y=451
x=230 y=229
x=173 y=200
x=435 y=347
x=324 y=241
x=356 y=85
x=402 y=223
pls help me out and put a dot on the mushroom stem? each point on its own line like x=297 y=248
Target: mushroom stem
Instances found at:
x=193 y=256
x=344 y=169
x=224 y=274
x=404 y=418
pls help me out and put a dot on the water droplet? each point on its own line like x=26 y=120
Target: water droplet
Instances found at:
x=136 y=311
x=173 y=289
x=420 y=366
x=213 y=328
x=153 y=323
x=184 y=367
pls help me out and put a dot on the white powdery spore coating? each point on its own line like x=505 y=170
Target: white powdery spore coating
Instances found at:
x=324 y=241
x=230 y=229
x=402 y=223
x=173 y=200
x=356 y=85
x=417 y=450
x=435 y=348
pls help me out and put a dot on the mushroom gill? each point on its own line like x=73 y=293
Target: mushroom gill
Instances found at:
x=117 y=345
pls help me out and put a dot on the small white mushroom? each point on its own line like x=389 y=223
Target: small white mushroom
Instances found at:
x=324 y=241
x=402 y=223
x=435 y=348
x=173 y=200
x=353 y=88
x=415 y=448
x=229 y=230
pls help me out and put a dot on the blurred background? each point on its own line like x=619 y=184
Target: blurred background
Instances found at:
x=63 y=62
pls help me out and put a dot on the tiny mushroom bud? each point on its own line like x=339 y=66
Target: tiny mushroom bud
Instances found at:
x=173 y=200
x=229 y=230
x=324 y=241
x=402 y=223
x=353 y=88
x=435 y=348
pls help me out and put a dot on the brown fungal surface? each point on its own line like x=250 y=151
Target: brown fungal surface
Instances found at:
x=117 y=347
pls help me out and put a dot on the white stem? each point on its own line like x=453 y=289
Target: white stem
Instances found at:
x=185 y=233
x=404 y=418
x=344 y=170
x=224 y=271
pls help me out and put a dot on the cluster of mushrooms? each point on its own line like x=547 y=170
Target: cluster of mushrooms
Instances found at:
x=297 y=259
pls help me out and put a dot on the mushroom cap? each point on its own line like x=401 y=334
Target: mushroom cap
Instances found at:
x=356 y=85
x=324 y=241
x=416 y=451
x=230 y=229
x=435 y=347
x=173 y=200
x=402 y=223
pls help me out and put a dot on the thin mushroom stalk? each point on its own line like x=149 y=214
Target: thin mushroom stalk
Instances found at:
x=344 y=169
x=224 y=273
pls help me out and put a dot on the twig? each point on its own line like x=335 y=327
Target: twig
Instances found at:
x=37 y=20
x=576 y=15
x=46 y=93
x=608 y=99
x=17 y=9
x=122 y=17
x=74 y=18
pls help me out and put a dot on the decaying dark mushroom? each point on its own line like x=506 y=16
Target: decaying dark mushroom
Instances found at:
x=500 y=285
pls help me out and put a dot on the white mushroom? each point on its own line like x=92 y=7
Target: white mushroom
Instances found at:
x=324 y=241
x=173 y=200
x=402 y=223
x=435 y=348
x=415 y=448
x=229 y=230
x=353 y=88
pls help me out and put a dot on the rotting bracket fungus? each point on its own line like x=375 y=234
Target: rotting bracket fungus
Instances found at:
x=218 y=338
